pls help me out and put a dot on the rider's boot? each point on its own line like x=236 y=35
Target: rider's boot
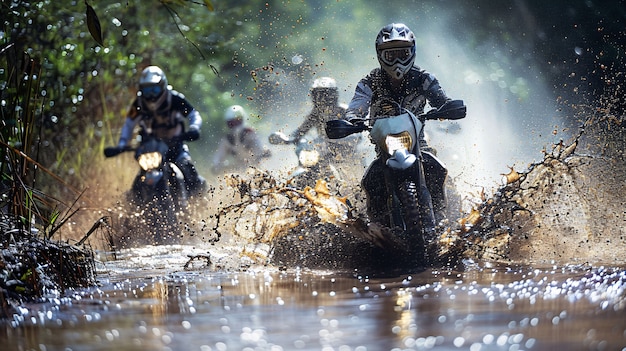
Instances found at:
x=436 y=174
x=194 y=182
x=374 y=187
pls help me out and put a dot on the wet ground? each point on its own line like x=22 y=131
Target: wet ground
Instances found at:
x=157 y=298
x=147 y=300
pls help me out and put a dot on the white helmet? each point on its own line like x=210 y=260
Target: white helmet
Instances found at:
x=324 y=83
x=395 y=49
x=235 y=116
x=324 y=91
x=153 y=87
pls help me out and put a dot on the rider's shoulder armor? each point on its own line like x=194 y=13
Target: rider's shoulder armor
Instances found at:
x=180 y=103
x=170 y=114
x=177 y=93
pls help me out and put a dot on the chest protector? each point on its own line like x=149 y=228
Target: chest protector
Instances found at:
x=238 y=136
x=165 y=123
x=410 y=94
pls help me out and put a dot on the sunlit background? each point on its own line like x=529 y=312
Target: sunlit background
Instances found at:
x=522 y=68
x=513 y=113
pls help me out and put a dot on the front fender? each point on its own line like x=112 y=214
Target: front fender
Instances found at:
x=401 y=159
x=149 y=185
x=152 y=178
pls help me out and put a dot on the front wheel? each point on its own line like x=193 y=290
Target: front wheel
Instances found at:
x=158 y=212
x=162 y=220
x=408 y=195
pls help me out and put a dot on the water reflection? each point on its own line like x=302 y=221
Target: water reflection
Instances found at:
x=486 y=307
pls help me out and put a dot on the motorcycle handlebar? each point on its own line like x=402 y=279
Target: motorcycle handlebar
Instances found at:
x=340 y=128
x=452 y=110
x=111 y=151
x=278 y=138
x=337 y=129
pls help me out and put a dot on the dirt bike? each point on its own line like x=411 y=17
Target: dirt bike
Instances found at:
x=158 y=191
x=395 y=182
x=314 y=159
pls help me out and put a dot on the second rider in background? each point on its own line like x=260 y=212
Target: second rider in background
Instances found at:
x=241 y=146
x=161 y=112
x=326 y=107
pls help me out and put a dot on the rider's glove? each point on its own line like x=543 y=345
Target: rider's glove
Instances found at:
x=192 y=134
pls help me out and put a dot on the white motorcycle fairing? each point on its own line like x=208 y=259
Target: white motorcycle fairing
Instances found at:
x=401 y=158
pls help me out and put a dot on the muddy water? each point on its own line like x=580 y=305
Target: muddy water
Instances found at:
x=147 y=301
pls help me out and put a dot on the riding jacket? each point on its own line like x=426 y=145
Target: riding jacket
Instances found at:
x=416 y=88
x=242 y=146
x=167 y=123
x=317 y=119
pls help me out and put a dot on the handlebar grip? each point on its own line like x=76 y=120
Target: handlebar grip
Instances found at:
x=278 y=138
x=453 y=109
x=112 y=151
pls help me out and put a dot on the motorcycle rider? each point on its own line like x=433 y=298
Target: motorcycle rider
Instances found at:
x=325 y=97
x=241 y=145
x=161 y=111
x=399 y=79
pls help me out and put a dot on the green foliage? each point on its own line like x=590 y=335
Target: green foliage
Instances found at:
x=257 y=53
x=85 y=83
x=19 y=105
x=20 y=108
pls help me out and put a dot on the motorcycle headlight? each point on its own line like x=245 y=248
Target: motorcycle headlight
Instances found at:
x=150 y=160
x=395 y=142
x=308 y=158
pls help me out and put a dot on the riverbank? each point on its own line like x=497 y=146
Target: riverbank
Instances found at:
x=33 y=267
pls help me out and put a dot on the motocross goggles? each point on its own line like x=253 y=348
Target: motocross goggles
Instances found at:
x=395 y=142
x=151 y=92
x=392 y=55
x=234 y=123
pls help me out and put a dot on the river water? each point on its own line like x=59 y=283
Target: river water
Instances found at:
x=148 y=300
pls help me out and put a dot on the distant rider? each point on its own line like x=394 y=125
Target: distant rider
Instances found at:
x=399 y=79
x=161 y=112
x=325 y=97
x=241 y=146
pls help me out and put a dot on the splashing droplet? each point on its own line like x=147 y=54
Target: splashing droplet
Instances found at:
x=296 y=59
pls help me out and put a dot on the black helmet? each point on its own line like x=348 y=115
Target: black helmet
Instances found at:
x=395 y=49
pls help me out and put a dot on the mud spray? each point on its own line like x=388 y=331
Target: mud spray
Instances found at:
x=514 y=126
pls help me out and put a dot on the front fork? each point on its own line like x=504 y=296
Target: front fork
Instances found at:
x=402 y=186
